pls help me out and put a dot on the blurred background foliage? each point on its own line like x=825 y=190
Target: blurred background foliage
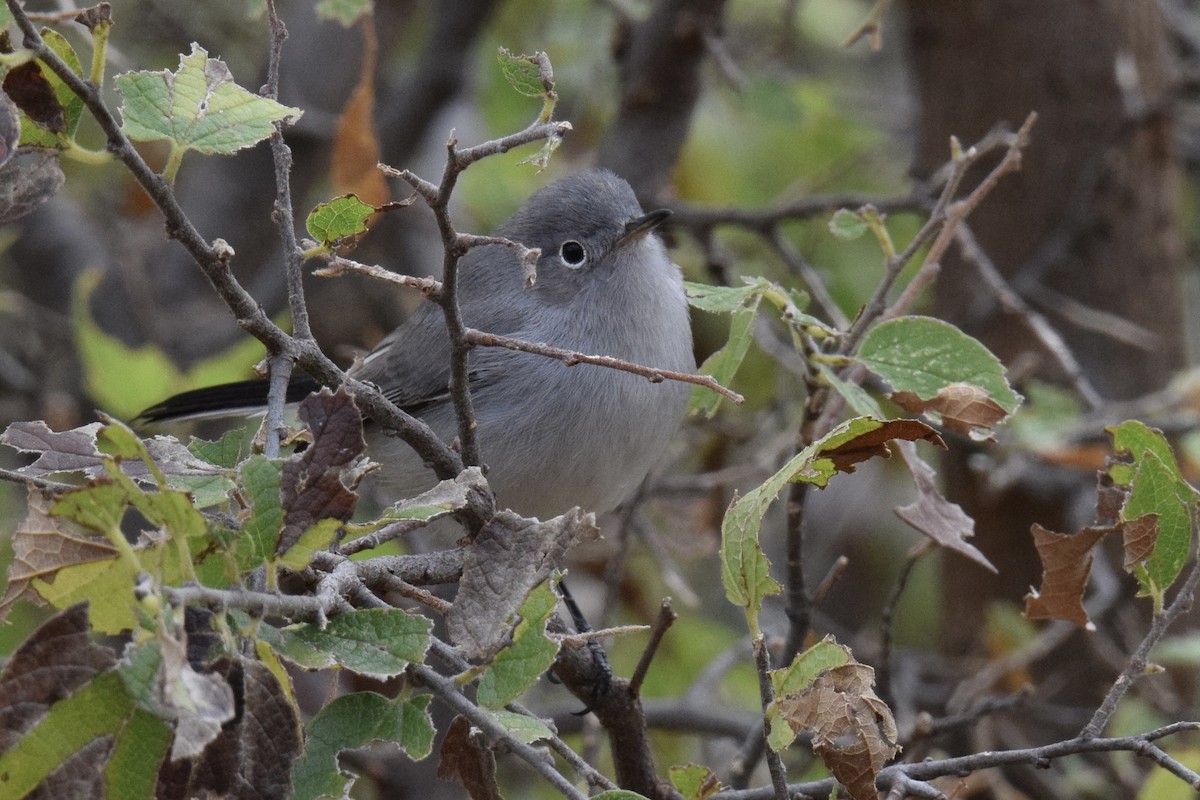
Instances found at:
x=99 y=311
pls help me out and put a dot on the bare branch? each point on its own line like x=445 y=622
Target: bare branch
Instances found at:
x=1141 y=656
x=454 y=245
x=762 y=664
x=666 y=616
x=572 y=358
x=449 y=693
x=1012 y=302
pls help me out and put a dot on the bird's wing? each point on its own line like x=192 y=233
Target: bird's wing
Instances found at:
x=411 y=365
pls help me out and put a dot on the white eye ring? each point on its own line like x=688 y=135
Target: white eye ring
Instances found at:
x=572 y=254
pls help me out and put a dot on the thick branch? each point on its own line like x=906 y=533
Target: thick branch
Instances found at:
x=659 y=60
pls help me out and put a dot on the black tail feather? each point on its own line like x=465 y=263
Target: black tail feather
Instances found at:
x=228 y=397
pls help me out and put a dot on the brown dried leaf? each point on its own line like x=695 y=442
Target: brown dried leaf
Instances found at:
x=59 y=451
x=34 y=95
x=1138 y=538
x=509 y=557
x=27 y=181
x=252 y=756
x=874 y=443
x=1066 y=564
x=462 y=758
x=355 y=162
x=55 y=660
x=75 y=451
x=77 y=775
x=962 y=407
x=853 y=731
x=42 y=545
x=94 y=16
x=313 y=483
x=935 y=516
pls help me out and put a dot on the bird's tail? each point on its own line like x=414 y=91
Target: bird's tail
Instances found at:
x=243 y=398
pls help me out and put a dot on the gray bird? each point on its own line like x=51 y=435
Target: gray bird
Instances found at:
x=552 y=436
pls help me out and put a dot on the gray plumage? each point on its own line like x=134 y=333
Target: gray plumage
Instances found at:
x=552 y=436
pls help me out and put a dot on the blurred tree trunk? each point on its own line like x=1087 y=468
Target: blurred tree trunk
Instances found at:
x=1091 y=217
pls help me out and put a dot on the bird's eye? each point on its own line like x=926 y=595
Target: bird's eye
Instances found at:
x=572 y=254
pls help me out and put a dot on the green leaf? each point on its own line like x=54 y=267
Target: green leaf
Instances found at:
x=723 y=299
x=723 y=364
x=118 y=440
x=806 y=666
x=846 y=225
x=521 y=727
x=522 y=72
x=344 y=12
x=72 y=105
x=173 y=511
x=923 y=355
x=1136 y=439
x=99 y=506
x=197 y=107
x=745 y=571
x=139 y=672
x=694 y=781
x=518 y=666
x=132 y=768
x=206 y=490
x=101 y=707
x=855 y=396
x=376 y=642
x=107 y=585
x=353 y=721
x=340 y=217
x=260 y=482
x=224 y=452
x=1156 y=486
x=315 y=538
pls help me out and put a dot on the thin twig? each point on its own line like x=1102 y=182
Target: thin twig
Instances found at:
x=449 y=693
x=927 y=726
x=812 y=279
x=883 y=671
x=336 y=265
x=1141 y=656
x=213 y=261
x=299 y=608
x=835 y=571
x=943 y=221
x=1039 y=756
x=15 y=476
x=974 y=253
x=280 y=364
x=581 y=767
x=455 y=245
x=666 y=616
x=572 y=358
x=798 y=604
x=764 y=220
x=762 y=663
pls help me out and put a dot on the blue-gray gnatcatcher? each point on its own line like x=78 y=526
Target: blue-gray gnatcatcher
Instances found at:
x=551 y=436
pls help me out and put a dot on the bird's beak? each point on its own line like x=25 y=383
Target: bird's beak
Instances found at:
x=638 y=227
